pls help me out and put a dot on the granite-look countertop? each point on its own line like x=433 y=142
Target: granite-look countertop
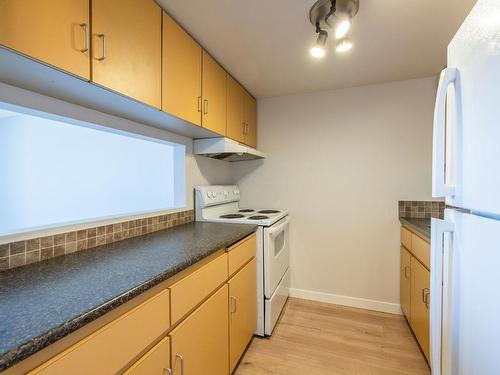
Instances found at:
x=420 y=226
x=43 y=302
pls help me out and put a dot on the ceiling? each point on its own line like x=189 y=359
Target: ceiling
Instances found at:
x=265 y=43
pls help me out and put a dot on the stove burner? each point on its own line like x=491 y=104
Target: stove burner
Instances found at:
x=258 y=217
x=231 y=216
x=269 y=212
x=246 y=210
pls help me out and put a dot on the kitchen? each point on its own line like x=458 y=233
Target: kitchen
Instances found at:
x=223 y=187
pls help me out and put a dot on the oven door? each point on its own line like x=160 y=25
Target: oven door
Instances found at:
x=276 y=255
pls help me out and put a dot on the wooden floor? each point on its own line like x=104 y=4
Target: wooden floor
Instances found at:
x=317 y=338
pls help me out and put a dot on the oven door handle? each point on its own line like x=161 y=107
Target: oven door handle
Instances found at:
x=275 y=230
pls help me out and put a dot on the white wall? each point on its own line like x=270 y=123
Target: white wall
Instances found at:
x=339 y=161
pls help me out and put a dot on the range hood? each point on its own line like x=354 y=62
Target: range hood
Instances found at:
x=225 y=149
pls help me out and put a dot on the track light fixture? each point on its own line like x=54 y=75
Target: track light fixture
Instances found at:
x=318 y=50
x=336 y=16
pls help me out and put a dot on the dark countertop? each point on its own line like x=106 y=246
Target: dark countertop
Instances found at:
x=43 y=302
x=419 y=226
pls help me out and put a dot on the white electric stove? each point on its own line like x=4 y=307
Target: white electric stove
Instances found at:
x=220 y=204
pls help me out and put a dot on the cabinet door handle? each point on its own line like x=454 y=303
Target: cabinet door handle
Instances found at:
x=425 y=297
x=406 y=271
x=182 y=362
x=85 y=28
x=168 y=371
x=205 y=107
x=103 y=40
x=199 y=103
x=233 y=304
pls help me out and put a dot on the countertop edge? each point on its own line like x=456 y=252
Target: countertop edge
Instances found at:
x=36 y=344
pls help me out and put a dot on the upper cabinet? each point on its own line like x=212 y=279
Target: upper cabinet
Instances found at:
x=135 y=49
x=235 y=116
x=214 y=95
x=241 y=114
x=250 y=112
x=55 y=32
x=181 y=89
x=126 y=53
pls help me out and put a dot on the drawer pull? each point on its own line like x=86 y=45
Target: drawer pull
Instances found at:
x=168 y=371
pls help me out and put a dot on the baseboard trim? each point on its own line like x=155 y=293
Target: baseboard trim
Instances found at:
x=362 y=303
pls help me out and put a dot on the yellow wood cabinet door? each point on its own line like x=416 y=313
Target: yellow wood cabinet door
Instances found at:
x=235 y=114
x=126 y=48
x=214 y=95
x=200 y=343
x=404 y=282
x=420 y=299
x=154 y=362
x=55 y=32
x=250 y=109
x=181 y=89
x=243 y=311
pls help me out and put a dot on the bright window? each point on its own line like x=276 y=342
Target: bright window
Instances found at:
x=54 y=173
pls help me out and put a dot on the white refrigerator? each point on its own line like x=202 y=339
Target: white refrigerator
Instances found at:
x=465 y=249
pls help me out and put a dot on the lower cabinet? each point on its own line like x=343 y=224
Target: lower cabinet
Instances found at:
x=154 y=362
x=414 y=286
x=200 y=343
x=404 y=282
x=242 y=311
x=420 y=299
x=199 y=324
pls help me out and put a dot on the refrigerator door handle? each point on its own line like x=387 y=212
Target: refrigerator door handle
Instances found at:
x=439 y=257
x=440 y=188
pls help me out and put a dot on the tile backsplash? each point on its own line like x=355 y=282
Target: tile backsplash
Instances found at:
x=19 y=253
x=421 y=209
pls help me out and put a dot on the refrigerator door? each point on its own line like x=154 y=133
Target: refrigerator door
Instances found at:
x=466 y=167
x=465 y=295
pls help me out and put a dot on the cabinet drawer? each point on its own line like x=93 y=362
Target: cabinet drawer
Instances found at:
x=240 y=253
x=109 y=349
x=194 y=288
x=406 y=238
x=153 y=362
x=421 y=250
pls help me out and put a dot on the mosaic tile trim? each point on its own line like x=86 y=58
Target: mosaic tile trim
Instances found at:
x=421 y=209
x=19 y=253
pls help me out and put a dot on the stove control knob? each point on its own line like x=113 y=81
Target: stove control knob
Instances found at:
x=208 y=194
x=226 y=193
